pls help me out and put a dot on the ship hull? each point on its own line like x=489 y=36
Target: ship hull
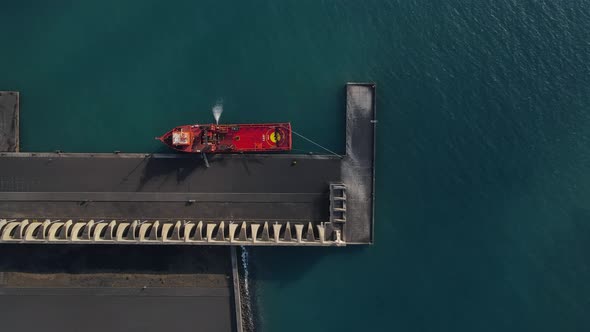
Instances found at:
x=229 y=138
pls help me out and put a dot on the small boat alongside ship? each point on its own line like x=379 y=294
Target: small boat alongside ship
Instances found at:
x=229 y=138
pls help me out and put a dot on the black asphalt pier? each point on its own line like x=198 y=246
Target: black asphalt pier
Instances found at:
x=116 y=288
x=240 y=199
x=135 y=186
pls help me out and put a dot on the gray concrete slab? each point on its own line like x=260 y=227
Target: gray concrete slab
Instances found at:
x=9 y=113
x=358 y=167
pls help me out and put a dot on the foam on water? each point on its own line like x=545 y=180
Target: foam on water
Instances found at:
x=217 y=110
x=246 y=300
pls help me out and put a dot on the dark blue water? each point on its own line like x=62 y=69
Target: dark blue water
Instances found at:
x=483 y=167
x=483 y=186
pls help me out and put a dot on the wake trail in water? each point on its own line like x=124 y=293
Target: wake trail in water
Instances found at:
x=246 y=303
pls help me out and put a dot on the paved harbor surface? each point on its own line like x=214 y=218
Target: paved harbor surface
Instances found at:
x=115 y=288
x=240 y=187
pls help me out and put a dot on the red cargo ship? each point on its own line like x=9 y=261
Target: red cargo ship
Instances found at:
x=229 y=138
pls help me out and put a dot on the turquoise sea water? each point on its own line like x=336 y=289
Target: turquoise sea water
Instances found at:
x=483 y=185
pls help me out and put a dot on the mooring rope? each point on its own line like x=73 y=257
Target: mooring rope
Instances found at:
x=312 y=142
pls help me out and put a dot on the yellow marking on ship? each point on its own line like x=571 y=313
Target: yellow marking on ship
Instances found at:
x=275 y=136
